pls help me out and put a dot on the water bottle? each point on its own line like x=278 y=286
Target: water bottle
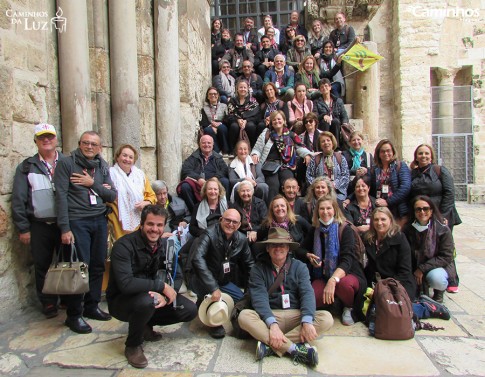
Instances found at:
x=372 y=320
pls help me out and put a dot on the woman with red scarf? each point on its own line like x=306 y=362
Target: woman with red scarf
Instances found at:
x=277 y=150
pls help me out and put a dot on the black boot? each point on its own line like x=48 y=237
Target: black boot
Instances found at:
x=436 y=310
x=438 y=296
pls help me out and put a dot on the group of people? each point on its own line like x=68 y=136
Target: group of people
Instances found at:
x=280 y=224
x=267 y=70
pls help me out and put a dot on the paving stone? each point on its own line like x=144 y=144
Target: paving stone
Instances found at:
x=451 y=328
x=467 y=300
x=275 y=365
x=459 y=356
x=474 y=324
x=151 y=373
x=370 y=356
x=109 y=355
x=38 y=335
x=192 y=354
x=51 y=371
x=236 y=356
x=10 y=364
x=358 y=329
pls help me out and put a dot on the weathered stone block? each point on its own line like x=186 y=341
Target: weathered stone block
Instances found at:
x=476 y=194
x=99 y=70
x=148 y=158
x=7 y=90
x=145 y=35
x=23 y=139
x=146 y=76
x=28 y=102
x=147 y=122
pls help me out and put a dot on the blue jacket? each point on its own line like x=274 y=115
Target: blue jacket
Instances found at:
x=400 y=182
x=288 y=79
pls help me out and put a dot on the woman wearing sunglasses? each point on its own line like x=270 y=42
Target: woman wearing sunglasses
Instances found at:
x=432 y=247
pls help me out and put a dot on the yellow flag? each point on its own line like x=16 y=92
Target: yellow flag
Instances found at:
x=360 y=57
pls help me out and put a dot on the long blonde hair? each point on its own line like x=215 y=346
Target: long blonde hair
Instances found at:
x=289 y=212
x=338 y=215
x=371 y=235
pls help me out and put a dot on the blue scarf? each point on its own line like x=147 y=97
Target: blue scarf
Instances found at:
x=332 y=246
x=356 y=155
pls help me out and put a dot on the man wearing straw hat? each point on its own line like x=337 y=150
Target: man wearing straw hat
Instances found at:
x=285 y=320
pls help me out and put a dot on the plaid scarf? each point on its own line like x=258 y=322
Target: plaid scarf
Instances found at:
x=285 y=144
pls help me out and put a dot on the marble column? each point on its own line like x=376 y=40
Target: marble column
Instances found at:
x=169 y=156
x=367 y=97
x=125 y=118
x=73 y=55
x=445 y=100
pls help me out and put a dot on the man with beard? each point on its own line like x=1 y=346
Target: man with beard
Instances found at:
x=264 y=58
x=136 y=293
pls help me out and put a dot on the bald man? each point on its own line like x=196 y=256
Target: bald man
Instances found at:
x=221 y=262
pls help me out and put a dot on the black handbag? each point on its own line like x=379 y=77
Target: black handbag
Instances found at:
x=66 y=277
x=271 y=167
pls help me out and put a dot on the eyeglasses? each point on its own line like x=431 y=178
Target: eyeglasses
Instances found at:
x=225 y=66
x=229 y=221
x=422 y=209
x=300 y=40
x=89 y=143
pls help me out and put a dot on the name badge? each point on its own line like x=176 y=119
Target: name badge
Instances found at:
x=385 y=189
x=285 y=301
x=92 y=200
x=238 y=61
x=378 y=194
x=277 y=84
x=367 y=221
x=226 y=267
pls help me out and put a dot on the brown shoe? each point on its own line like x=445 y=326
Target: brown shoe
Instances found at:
x=135 y=356
x=150 y=335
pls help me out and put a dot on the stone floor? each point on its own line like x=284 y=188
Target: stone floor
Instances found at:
x=32 y=346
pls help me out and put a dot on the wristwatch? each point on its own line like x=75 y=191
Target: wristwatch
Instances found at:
x=336 y=278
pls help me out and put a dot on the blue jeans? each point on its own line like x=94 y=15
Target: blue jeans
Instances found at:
x=199 y=288
x=91 y=240
x=437 y=279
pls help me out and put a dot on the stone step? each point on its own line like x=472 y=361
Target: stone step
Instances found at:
x=350 y=109
x=357 y=123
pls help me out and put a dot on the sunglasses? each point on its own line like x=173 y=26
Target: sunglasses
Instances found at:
x=422 y=209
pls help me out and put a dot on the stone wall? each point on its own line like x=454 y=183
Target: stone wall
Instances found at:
x=29 y=83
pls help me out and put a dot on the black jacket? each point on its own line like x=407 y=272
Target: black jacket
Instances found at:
x=210 y=252
x=178 y=212
x=443 y=255
x=394 y=260
x=134 y=267
x=192 y=166
x=352 y=211
x=338 y=110
x=440 y=189
x=258 y=213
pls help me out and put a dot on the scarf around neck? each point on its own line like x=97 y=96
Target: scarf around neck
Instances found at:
x=356 y=155
x=332 y=247
x=130 y=192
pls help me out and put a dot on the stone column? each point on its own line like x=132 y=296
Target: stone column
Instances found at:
x=169 y=157
x=75 y=92
x=445 y=98
x=366 y=97
x=125 y=118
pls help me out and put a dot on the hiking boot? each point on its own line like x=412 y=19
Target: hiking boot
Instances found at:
x=438 y=296
x=150 y=335
x=436 y=310
x=135 y=356
x=217 y=332
x=305 y=354
x=263 y=350
x=347 y=319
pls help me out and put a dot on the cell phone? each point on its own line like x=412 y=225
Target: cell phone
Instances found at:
x=155 y=301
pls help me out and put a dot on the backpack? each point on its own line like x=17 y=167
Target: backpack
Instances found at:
x=338 y=156
x=359 y=247
x=393 y=311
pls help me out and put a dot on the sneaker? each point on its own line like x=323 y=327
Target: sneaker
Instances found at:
x=451 y=289
x=347 y=319
x=263 y=350
x=305 y=354
x=436 y=310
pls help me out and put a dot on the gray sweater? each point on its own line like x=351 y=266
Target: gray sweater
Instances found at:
x=73 y=201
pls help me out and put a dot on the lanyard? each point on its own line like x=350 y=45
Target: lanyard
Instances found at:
x=282 y=271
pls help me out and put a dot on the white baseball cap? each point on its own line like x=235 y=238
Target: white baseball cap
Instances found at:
x=44 y=128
